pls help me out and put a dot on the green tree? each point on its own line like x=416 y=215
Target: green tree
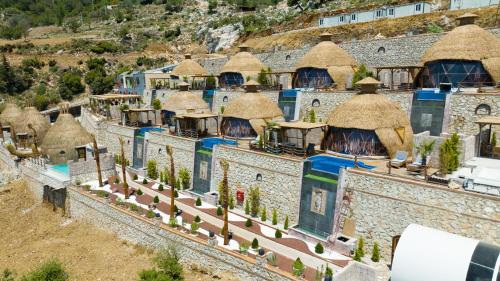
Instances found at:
x=70 y=84
x=275 y=217
x=51 y=270
x=255 y=243
x=74 y=25
x=361 y=246
x=263 y=215
x=285 y=225
x=312 y=116
x=247 y=207
x=254 y=197
x=185 y=178
x=156 y=104
x=318 y=249
x=375 y=253
x=11 y=79
x=248 y=223
x=361 y=74
x=212 y=6
x=152 y=170
x=99 y=82
x=167 y=267
x=298 y=267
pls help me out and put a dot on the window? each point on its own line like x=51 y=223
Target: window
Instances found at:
x=483 y=109
x=159 y=151
x=258 y=177
x=341 y=19
x=225 y=99
x=315 y=103
x=391 y=12
x=353 y=17
x=379 y=13
x=381 y=50
x=418 y=7
x=288 y=57
x=320 y=21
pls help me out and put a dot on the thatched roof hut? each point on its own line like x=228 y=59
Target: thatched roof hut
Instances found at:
x=38 y=122
x=468 y=42
x=63 y=137
x=185 y=101
x=244 y=63
x=10 y=114
x=251 y=110
x=189 y=68
x=330 y=57
x=372 y=112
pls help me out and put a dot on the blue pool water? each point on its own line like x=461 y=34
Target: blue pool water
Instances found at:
x=209 y=143
x=142 y=131
x=332 y=165
x=61 y=168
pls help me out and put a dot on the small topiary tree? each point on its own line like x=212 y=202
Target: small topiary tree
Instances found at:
x=194 y=227
x=328 y=271
x=150 y=214
x=135 y=177
x=185 y=178
x=254 y=197
x=247 y=207
x=357 y=255
x=160 y=187
x=151 y=169
x=145 y=181
x=298 y=268
x=255 y=244
x=156 y=200
x=198 y=201
x=361 y=246
x=263 y=215
x=176 y=194
x=231 y=201
x=219 y=211
x=275 y=217
x=117 y=180
x=375 y=253
x=248 y=223
x=197 y=219
x=278 y=233
x=139 y=192
x=319 y=248
x=285 y=225
x=133 y=207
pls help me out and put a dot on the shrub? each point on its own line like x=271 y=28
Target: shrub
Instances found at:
x=139 y=192
x=197 y=219
x=156 y=103
x=150 y=214
x=328 y=271
x=135 y=177
x=51 y=270
x=244 y=248
x=156 y=200
x=160 y=187
x=298 y=267
x=52 y=63
x=117 y=180
x=254 y=197
x=275 y=217
x=357 y=255
x=194 y=227
x=248 y=223
x=185 y=178
x=263 y=216
x=247 y=207
x=102 y=193
x=375 y=253
x=278 y=234
x=449 y=154
x=285 y=226
x=177 y=184
x=219 y=211
x=361 y=73
x=152 y=171
x=145 y=181
x=198 y=201
x=255 y=243
x=361 y=246
x=133 y=207
x=167 y=267
x=319 y=248
x=176 y=194
x=7 y=275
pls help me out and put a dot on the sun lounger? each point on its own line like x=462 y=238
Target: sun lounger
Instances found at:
x=400 y=159
x=417 y=166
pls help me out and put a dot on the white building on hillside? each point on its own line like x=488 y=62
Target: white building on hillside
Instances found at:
x=383 y=12
x=468 y=4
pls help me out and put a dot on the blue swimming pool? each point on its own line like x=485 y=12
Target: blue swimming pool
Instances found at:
x=142 y=131
x=209 y=143
x=332 y=165
x=61 y=168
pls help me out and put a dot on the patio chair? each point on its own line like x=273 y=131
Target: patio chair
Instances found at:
x=400 y=159
x=416 y=166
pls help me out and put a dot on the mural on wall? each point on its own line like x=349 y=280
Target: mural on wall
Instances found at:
x=318 y=203
x=237 y=128
x=355 y=141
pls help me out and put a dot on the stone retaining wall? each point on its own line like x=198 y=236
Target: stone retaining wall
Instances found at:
x=193 y=251
x=86 y=170
x=462 y=113
x=281 y=178
x=183 y=150
x=384 y=206
x=109 y=134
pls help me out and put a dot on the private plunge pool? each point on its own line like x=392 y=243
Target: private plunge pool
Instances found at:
x=208 y=143
x=330 y=164
x=142 y=131
x=61 y=168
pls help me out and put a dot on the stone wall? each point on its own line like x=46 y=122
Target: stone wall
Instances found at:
x=384 y=206
x=281 y=178
x=183 y=150
x=86 y=170
x=109 y=134
x=356 y=271
x=193 y=251
x=329 y=100
x=462 y=111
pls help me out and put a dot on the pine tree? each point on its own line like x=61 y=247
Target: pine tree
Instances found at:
x=278 y=234
x=255 y=243
x=275 y=217
x=375 y=253
x=263 y=216
x=247 y=207
x=285 y=226
x=156 y=200
x=248 y=223
x=198 y=201
x=319 y=248
x=361 y=245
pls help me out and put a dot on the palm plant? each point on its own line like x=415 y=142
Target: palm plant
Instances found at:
x=225 y=201
x=124 y=164
x=170 y=154
x=425 y=149
x=97 y=160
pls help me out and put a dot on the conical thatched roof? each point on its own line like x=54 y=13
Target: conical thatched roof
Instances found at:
x=189 y=68
x=185 y=101
x=245 y=63
x=327 y=55
x=468 y=42
x=39 y=122
x=377 y=113
x=252 y=106
x=61 y=139
x=10 y=114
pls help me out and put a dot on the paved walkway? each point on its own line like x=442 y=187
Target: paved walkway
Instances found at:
x=307 y=259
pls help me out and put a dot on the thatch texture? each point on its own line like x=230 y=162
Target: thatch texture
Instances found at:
x=184 y=101
x=327 y=55
x=252 y=106
x=61 y=139
x=39 y=123
x=10 y=114
x=189 y=68
x=468 y=42
x=244 y=63
x=375 y=112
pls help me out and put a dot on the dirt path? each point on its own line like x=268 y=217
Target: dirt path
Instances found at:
x=31 y=234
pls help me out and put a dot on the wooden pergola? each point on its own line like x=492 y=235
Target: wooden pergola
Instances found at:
x=131 y=117
x=186 y=124
x=483 y=122
x=411 y=70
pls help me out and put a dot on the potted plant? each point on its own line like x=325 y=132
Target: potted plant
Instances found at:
x=298 y=268
x=328 y=273
x=194 y=228
x=425 y=149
